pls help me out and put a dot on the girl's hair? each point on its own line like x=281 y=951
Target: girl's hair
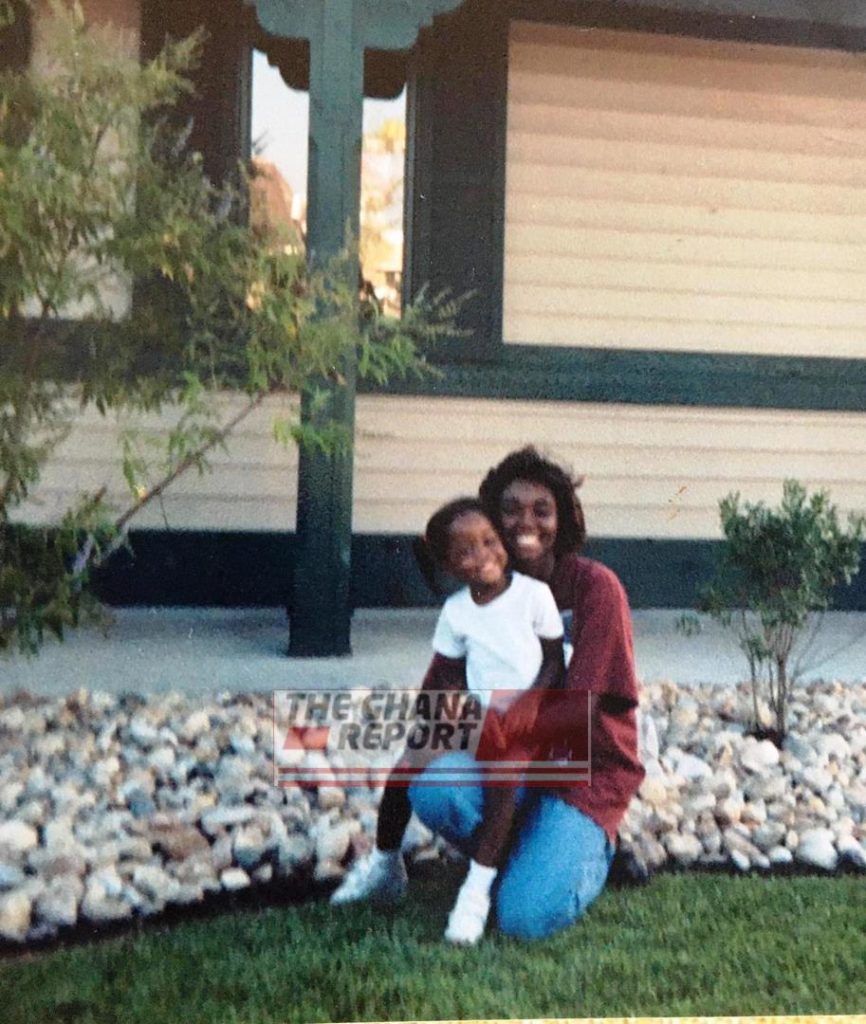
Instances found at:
x=431 y=550
x=527 y=464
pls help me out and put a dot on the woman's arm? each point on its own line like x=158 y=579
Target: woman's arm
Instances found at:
x=520 y=719
x=601 y=670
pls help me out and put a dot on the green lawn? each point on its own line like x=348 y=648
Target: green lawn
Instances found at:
x=685 y=944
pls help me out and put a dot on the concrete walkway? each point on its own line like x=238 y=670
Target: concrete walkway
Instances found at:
x=206 y=650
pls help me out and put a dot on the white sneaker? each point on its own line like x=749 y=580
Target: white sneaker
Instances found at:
x=379 y=876
x=467 y=920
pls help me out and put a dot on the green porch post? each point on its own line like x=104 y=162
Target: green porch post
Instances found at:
x=320 y=607
x=338 y=31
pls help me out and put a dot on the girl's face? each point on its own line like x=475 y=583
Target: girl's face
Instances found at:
x=529 y=524
x=476 y=555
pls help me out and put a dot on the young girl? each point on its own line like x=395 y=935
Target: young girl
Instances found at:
x=500 y=633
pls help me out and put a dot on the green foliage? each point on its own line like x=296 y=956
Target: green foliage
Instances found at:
x=778 y=567
x=99 y=197
x=689 y=944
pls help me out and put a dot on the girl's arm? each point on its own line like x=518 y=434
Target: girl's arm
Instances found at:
x=552 y=672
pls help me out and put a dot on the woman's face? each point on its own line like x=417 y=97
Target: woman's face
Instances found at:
x=529 y=524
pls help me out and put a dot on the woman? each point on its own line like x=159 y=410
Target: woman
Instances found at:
x=560 y=857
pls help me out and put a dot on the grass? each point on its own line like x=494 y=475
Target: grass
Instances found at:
x=686 y=944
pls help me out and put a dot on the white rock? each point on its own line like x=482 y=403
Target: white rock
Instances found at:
x=648 y=739
x=162 y=759
x=835 y=797
x=18 y=836
x=817 y=779
x=740 y=860
x=712 y=843
x=769 y=835
x=9 y=796
x=263 y=874
x=653 y=790
x=780 y=855
x=332 y=841
x=154 y=883
x=58 y=904
x=328 y=871
x=729 y=809
x=233 y=879
x=12 y=719
x=108 y=880
x=833 y=745
x=331 y=797
x=765 y=787
x=143 y=733
x=693 y=768
x=195 y=725
x=15 y=912
x=216 y=820
x=685 y=849
x=294 y=850
x=817 y=850
x=242 y=744
x=757 y=756
x=250 y=845
x=11 y=876
x=698 y=804
x=99 y=908
x=852 y=851
x=723 y=783
x=799 y=748
x=754 y=812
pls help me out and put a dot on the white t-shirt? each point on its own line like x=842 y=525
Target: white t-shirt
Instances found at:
x=499 y=640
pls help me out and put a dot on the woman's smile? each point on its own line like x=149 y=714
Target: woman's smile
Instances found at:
x=529 y=524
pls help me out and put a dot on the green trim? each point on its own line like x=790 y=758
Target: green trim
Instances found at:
x=456 y=170
x=554 y=374
x=456 y=203
x=199 y=568
x=219 y=106
x=542 y=373
x=321 y=616
x=764 y=21
x=382 y=24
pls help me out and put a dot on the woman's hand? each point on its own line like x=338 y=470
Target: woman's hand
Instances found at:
x=518 y=722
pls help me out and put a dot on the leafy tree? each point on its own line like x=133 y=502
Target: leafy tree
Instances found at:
x=98 y=190
x=778 y=566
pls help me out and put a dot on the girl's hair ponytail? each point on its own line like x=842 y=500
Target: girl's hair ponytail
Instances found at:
x=426 y=563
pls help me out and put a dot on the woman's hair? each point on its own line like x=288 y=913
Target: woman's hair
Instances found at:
x=527 y=464
x=431 y=550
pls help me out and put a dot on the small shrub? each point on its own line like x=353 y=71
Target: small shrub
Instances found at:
x=777 y=567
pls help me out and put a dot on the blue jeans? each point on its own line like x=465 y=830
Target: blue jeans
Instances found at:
x=556 y=867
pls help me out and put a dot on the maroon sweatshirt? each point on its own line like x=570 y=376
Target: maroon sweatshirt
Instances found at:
x=603 y=664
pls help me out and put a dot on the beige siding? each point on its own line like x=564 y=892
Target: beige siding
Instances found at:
x=252 y=486
x=672 y=193
x=650 y=471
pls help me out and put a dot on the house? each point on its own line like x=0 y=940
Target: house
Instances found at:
x=661 y=211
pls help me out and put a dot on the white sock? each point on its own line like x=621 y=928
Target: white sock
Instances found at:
x=385 y=857
x=480 y=878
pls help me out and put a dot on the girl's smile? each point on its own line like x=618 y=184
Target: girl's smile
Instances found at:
x=529 y=524
x=476 y=556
